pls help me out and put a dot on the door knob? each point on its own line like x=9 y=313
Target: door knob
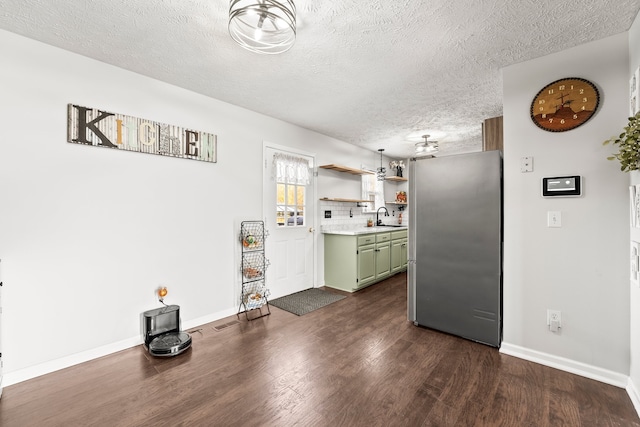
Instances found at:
x=311 y=230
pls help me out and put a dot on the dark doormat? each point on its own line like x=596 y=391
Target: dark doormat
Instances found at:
x=306 y=301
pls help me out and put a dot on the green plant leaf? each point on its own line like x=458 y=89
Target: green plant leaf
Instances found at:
x=628 y=143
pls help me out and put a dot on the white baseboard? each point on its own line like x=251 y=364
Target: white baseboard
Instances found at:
x=632 y=391
x=568 y=365
x=208 y=319
x=25 y=374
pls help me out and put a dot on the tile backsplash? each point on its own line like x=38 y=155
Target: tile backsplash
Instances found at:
x=347 y=215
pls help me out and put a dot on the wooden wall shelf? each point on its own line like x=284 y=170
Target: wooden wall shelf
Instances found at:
x=327 y=199
x=347 y=169
x=397 y=178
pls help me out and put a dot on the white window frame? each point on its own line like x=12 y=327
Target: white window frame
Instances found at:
x=372 y=190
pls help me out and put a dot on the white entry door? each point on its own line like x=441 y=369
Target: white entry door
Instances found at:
x=289 y=212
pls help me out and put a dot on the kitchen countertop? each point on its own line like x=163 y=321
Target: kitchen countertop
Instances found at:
x=363 y=230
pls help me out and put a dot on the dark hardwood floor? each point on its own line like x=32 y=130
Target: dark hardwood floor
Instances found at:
x=357 y=362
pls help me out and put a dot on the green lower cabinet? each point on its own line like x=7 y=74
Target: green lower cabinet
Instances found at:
x=353 y=262
x=404 y=255
x=383 y=260
x=396 y=256
x=341 y=262
x=366 y=265
x=398 y=251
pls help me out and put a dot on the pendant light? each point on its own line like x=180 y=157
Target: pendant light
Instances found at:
x=263 y=26
x=381 y=171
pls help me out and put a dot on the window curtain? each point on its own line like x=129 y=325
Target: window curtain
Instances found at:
x=291 y=169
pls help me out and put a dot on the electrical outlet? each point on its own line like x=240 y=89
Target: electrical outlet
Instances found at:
x=554 y=315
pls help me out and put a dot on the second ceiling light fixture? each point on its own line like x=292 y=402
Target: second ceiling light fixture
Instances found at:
x=263 y=26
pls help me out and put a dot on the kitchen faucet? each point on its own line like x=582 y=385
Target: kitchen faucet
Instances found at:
x=386 y=213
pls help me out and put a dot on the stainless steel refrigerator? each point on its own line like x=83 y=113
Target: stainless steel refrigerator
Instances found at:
x=455 y=245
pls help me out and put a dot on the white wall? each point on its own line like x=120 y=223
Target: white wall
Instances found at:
x=87 y=234
x=634 y=63
x=581 y=268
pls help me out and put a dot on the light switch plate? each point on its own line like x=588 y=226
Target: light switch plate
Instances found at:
x=526 y=164
x=554 y=219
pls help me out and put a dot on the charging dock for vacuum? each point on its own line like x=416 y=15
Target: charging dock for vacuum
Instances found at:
x=162 y=334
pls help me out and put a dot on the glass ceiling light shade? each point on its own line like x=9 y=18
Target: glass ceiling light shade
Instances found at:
x=263 y=26
x=426 y=147
x=381 y=171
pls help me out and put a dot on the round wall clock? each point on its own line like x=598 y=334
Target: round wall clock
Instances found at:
x=564 y=104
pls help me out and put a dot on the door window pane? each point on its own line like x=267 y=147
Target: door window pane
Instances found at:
x=280 y=216
x=300 y=216
x=291 y=194
x=291 y=179
x=290 y=205
x=280 y=194
x=300 y=195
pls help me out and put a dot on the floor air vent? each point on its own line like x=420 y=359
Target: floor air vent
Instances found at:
x=225 y=325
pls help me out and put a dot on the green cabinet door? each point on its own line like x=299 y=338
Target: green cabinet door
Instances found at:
x=383 y=259
x=340 y=262
x=404 y=255
x=366 y=264
x=397 y=260
x=398 y=251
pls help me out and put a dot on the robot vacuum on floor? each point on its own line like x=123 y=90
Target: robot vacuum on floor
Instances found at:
x=162 y=335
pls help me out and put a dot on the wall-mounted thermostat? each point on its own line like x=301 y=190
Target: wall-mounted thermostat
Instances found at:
x=562 y=186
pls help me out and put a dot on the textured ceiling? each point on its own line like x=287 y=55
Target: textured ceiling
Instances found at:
x=373 y=73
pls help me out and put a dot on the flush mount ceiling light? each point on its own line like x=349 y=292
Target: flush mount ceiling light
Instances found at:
x=263 y=26
x=426 y=147
x=381 y=171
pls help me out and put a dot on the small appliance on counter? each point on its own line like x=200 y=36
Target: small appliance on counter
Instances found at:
x=162 y=335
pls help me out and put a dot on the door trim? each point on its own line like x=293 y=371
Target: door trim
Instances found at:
x=313 y=205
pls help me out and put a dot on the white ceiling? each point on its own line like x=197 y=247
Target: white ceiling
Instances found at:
x=373 y=73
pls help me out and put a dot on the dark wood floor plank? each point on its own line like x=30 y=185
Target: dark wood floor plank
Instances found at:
x=356 y=362
x=442 y=415
x=563 y=409
x=520 y=398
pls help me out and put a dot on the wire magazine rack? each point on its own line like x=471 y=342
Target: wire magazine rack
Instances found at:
x=254 y=295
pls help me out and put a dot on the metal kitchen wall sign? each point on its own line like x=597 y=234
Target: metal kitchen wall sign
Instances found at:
x=95 y=127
